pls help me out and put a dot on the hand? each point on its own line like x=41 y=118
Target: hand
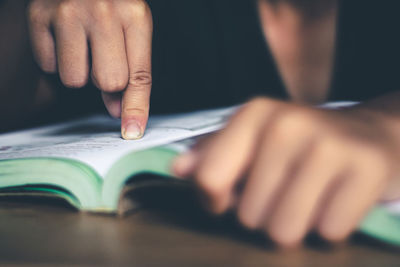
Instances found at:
x=119 y=35
x=288 y=169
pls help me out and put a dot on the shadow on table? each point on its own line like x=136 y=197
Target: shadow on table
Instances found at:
x=179 y=206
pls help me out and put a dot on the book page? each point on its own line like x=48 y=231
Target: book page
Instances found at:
x=339 y=105
x=97 y=141
x=393 y=207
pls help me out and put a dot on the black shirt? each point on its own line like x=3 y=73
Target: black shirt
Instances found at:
x=209 y=53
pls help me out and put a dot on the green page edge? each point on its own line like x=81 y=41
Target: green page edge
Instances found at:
x=383 y=225
x=82 y=181
x=155 y=161
x=91 y=192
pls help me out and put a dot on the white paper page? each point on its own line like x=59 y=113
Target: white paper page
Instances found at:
x=97 y=142
x=393 y=207
x=339 y=104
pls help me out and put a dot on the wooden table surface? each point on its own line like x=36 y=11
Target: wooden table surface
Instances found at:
x=53 y=235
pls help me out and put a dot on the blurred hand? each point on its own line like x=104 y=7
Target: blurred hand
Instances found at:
x=288 y=169
x=119 y=36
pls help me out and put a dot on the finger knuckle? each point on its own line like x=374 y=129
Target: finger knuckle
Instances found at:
x=295 y=121
x=327 y=148
x=134 y=110
x=257 y=106
x=257 y=102
x=288 y=123
x=102 y=10
x=137 y=9
x=67 y=10
x=111 y=85
x=140 y=79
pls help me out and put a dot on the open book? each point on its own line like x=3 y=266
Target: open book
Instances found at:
x=86 y=163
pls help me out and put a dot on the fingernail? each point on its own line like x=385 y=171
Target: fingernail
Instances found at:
x=132 y=131
x=184 y=164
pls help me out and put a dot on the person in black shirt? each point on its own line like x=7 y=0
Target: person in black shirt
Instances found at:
x=283 y=165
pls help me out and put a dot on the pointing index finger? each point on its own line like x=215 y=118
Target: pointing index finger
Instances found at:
x=136 y=98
